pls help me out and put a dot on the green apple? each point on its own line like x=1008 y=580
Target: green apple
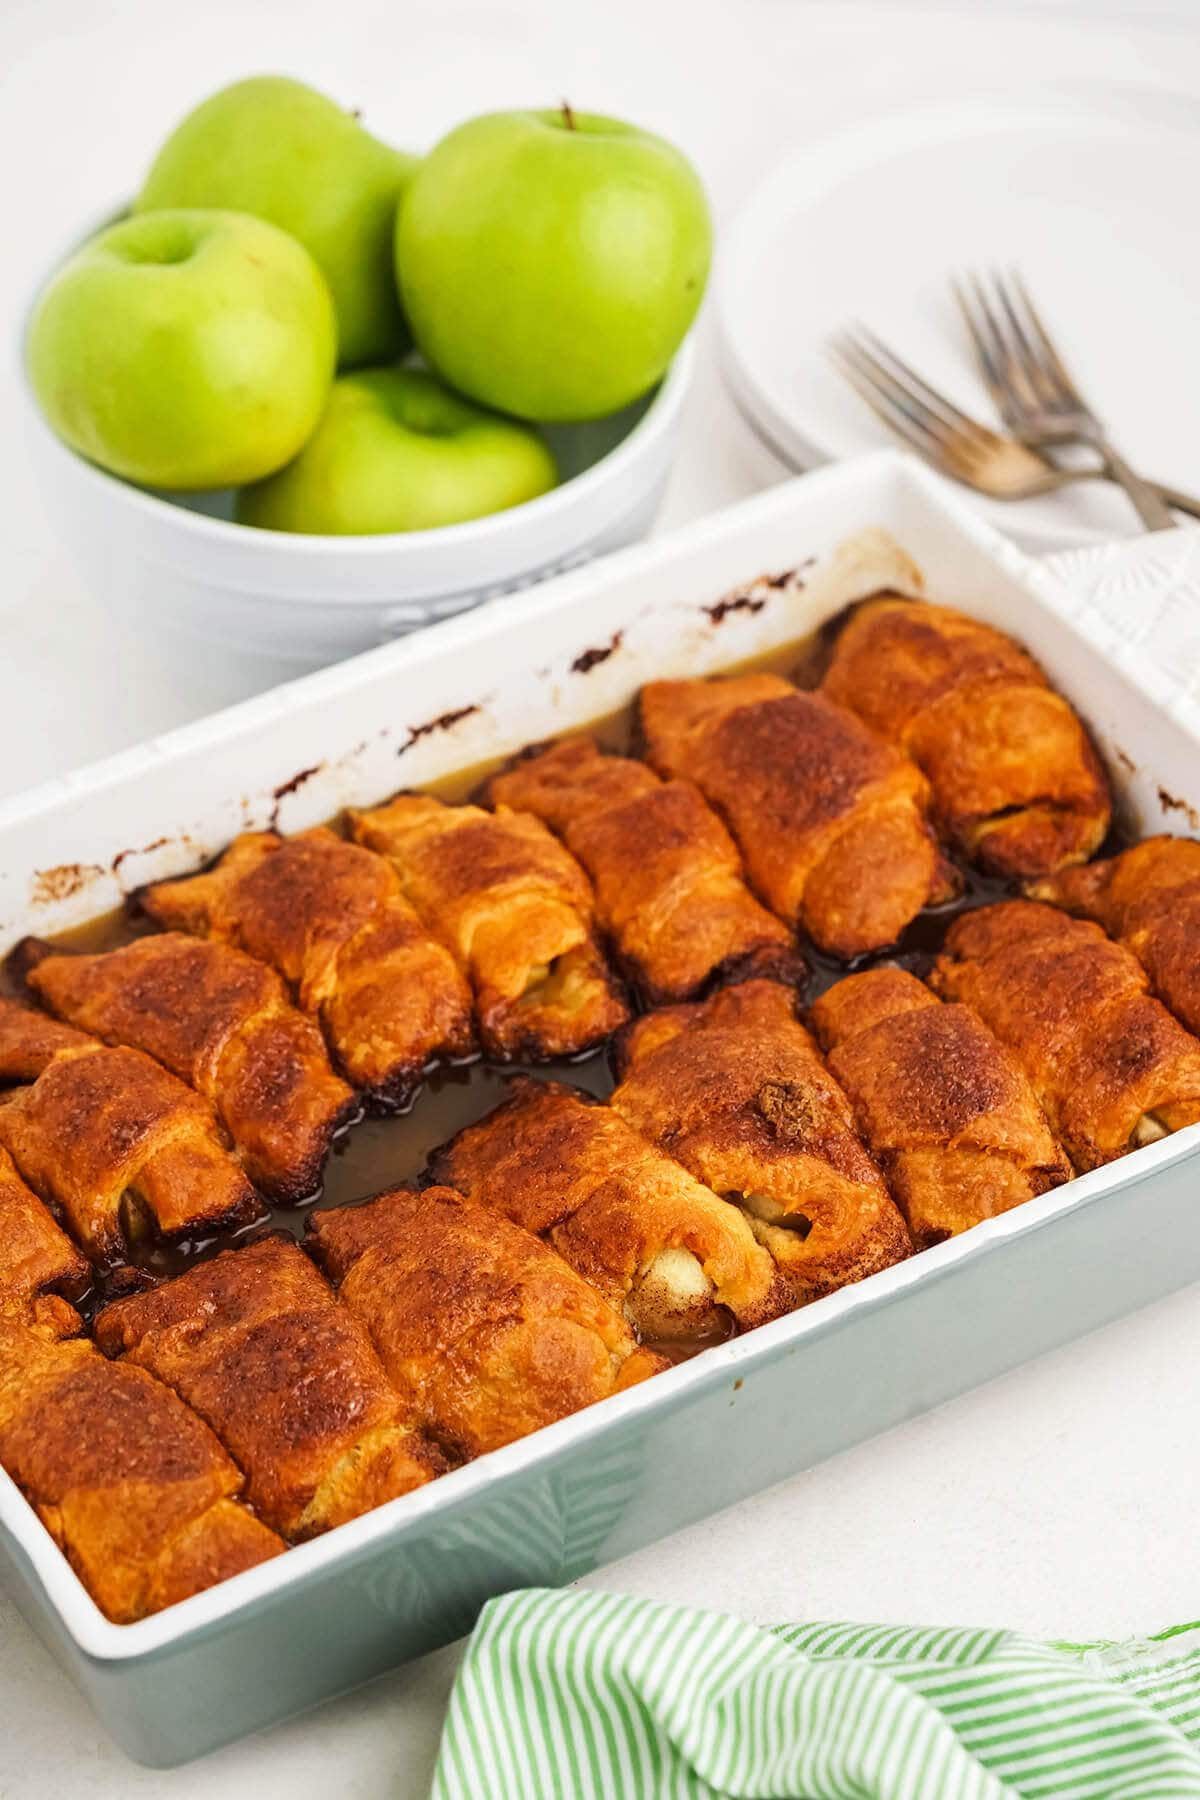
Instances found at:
x=397 y=451
x=550 y=263
x=185 y=349
x=279 y=150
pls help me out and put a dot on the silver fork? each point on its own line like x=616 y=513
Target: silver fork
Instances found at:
x=1029 y=383
x=951 y=440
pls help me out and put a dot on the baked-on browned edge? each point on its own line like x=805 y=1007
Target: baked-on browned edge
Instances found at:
x=658 y=1244
x=111 y=1138
x=330 y=917
x=485 y=1333
x=1016 y=781
x=515 y=910
x=943 y=1106
x=667 y=875
x=734 y=1088
x=221 y=1021
x=1149 y=898
x=830 y=819
x=255 y=1342
x=1110 y=1065
x=132 y=1486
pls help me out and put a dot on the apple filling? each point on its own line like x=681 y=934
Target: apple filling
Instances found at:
x=136 y=1219
x=561 y=983
x=769 y=1211
x=673 y=1298
x=1149 y=1129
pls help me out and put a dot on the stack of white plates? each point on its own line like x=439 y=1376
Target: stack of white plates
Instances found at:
x=1091 y=193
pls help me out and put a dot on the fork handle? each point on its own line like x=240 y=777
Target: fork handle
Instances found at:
x=1150 y=504
x=1178 y=501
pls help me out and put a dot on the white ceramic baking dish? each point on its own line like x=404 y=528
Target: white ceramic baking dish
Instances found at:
x=336 y=1611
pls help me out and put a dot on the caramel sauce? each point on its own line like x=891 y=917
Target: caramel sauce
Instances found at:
x=377 y=1153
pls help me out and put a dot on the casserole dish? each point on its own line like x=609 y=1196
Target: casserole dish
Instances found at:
x=412 y=1574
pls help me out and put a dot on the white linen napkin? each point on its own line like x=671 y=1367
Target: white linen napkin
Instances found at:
x=1144 y=593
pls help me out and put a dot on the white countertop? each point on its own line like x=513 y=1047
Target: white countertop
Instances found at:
x=1059 y=1500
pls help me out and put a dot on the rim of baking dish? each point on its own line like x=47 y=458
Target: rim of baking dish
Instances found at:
x=726 y=1364
x=99 y=1638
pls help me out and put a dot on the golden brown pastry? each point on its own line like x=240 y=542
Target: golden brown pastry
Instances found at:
x=485 y=1332
x=38 y=1262
x=132 y=1486
x=668 y=878
x=331 y=918
x=656 y=1243
x=112 y=1138
x=829 y=818
x=29 y=1042
x=1111 y=1067
x=734 y=1089
x=1016 y=782
x=944 y=1107
x=221 y=1021
x=255 y=1342
x=516 y=912
x=1149 y=898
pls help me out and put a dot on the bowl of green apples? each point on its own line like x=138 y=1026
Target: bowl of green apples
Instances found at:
x=308 y=391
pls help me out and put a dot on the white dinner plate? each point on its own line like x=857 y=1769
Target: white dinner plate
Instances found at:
x=1091 y=192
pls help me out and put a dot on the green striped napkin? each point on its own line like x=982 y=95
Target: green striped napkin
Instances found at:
x=594 y=1696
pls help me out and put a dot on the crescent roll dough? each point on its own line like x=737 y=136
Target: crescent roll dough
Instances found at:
x=1149 y=898
x=222 y=1022
x=111 y=1138
x=943 y=1105
x=668 y=877
x=255 y=1342
x=131 y=1485
x=38 y=1261
x=830 y=819
x=1016 y=782
x=1109 y=1064
x=330 y=917
x=515 y=910
x=734 y=1088
x=486 y=1334
x=652 y=1238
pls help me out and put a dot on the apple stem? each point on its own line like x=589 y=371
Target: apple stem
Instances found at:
x=568 y=115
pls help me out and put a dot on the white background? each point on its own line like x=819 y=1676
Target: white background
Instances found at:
x=1061 y=1500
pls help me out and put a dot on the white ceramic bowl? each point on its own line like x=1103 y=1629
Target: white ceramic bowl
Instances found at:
x=296 y=601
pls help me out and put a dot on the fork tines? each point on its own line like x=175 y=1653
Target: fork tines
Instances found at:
x=906 y=403
x=1016 y=353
